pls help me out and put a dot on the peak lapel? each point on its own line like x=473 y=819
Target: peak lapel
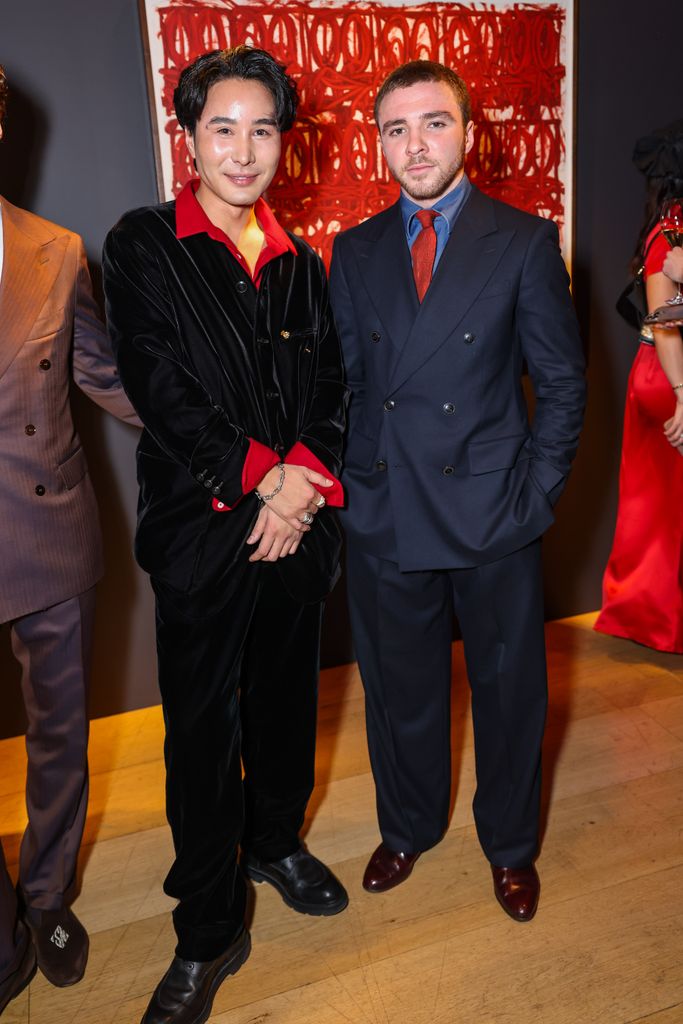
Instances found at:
x=384 y=263
x=471 y=256
x=30 y=265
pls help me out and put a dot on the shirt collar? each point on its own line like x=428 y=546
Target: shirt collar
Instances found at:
x=191 y=219
x=447 y=209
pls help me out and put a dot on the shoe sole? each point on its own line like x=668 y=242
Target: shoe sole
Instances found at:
x=23 y=983
x=301 y=908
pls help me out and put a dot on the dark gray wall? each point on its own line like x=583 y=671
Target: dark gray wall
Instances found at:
x=79 y=152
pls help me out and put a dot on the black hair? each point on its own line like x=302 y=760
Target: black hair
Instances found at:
x=425 y=71
x=660 y=158
x=245 y=62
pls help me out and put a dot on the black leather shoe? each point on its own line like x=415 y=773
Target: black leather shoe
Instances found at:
x=517 y=890
x=387 y=868
x=61 y=944
x=303 y=881
x=186 y=992
x=24 y=973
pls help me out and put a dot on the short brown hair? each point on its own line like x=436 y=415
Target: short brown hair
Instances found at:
x=425 y=71
x=3 y=94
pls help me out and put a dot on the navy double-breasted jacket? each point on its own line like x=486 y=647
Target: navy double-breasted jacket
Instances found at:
x=444 y=467
x=209 y=361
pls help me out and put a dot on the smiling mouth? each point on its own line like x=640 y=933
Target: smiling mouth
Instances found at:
x=242 y=179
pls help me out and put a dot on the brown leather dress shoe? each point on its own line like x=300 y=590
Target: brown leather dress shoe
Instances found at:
x=387 y=868
x=517 y=890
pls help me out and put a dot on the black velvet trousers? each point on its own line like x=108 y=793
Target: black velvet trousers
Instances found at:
x=238 y=687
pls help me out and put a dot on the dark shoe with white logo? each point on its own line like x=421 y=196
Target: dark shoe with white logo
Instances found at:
x=61 y=944
x=186 y=992
x=19 y=979
x=304 y=882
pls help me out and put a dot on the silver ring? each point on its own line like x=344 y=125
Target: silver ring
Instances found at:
x=307 y=519
x=321 y=501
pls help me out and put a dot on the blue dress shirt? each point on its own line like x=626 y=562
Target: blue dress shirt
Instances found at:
x=447 y=208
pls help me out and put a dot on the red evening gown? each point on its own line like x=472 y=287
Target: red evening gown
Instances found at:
x=642 y=590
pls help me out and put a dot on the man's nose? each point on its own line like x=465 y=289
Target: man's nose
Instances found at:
x=242 y=151
x=415 y=141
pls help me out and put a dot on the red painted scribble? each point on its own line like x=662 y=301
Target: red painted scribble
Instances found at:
x=332 y=174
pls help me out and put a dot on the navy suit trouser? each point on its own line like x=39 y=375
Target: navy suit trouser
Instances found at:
x=402 y=629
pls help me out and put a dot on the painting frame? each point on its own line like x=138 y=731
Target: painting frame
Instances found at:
x=159 y=79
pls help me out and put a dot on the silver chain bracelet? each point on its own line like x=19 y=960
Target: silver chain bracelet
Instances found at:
x=278 y=485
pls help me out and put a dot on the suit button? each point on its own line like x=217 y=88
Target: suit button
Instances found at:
x=272 y=395
x=241 y=287
x=448 y=408
x=389 y=404
x=209 y=481
x=40 y=490
x=380 y=465
x=217 y=489
x=448 y=471
x=200 y=476
x=375 y=336
x=468 y=337
x=45 y=364
x=29 y=429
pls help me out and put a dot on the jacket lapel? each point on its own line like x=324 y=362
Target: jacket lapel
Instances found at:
x=31 y=263
x=470 y=258
x=384 y=263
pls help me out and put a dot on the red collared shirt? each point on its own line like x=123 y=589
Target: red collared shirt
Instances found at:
x=191 y=219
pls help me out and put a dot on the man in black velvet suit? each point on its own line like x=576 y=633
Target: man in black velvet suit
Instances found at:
x=227 y=349
x=439 y=302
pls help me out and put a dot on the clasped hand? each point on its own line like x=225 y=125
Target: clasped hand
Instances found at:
x=279 y=526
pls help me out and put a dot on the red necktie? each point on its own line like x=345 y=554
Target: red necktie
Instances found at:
x=424 y=251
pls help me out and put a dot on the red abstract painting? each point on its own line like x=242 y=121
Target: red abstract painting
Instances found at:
x=512 y=56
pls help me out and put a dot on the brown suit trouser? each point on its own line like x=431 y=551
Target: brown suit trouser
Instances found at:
x=53 y=647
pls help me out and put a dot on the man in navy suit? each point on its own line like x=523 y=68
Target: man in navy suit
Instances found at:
x=440 y=301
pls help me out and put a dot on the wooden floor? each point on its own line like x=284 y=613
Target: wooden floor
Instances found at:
x=605 y=948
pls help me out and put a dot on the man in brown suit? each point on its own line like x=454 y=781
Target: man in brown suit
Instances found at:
x=50 y=561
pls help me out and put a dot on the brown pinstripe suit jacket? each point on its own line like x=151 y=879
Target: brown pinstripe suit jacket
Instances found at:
x=50 y=332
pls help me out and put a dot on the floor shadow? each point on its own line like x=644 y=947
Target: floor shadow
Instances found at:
x=562 y=645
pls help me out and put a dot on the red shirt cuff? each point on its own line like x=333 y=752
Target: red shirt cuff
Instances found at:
x=260 y=458
x=300 y=455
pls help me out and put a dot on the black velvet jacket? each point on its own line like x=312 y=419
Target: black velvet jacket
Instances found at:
x=208 y=362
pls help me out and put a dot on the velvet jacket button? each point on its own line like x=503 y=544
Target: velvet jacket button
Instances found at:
x=40 y=490
x=29 y=429
x=381 y=465
x=448 y=408
x=241 y=287
x=45 y=364
x=389 y=404
x=468 y=337
x=448 y=470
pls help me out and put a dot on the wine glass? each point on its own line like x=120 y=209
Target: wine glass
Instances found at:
x=671 y=220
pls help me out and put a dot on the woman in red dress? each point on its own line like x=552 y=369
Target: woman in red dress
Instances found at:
x=643 y=581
